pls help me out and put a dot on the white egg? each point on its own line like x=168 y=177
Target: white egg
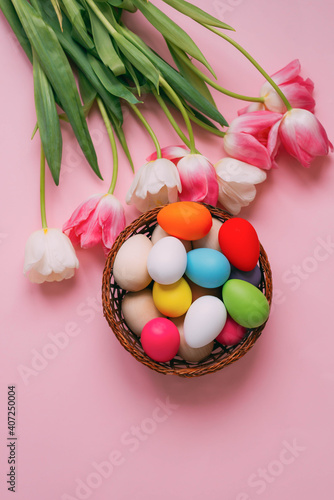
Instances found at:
x=211 y=239
x=186 y=352
x=204 y=320
x=160 y=233
x=167 y=261
x=138 y=308
x=130 y=265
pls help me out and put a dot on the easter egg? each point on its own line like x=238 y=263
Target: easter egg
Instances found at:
x=232 y=333
x=239 y=243
x=186 y=220
x=245 y=303
x=190 y=354
x=204 y=320
x=207 y=267
x=198 y=291
x=130 y=265
x=172 y=300
x=160 y=339
x=159 y=233
x=254 y=276
x=138 y=308
x=211 y=239
x=167 y=261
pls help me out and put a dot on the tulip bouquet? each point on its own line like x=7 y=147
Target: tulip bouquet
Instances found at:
x=89 y=42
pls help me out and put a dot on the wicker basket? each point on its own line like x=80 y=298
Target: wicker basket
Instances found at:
x=112 y=296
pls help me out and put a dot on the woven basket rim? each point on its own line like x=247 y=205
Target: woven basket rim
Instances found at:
x=112 y=295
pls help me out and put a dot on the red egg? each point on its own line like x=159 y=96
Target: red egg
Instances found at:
x=160 y=339
x=232 y=333
x=239 y=243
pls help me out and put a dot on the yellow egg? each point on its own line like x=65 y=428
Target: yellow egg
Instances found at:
x=172 y=300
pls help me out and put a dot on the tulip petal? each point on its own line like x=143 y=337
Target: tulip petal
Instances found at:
x=252 y=123
x=299 y=96
x=303 y=136
x=246 y=148
x=170 y=153
x=289 y=72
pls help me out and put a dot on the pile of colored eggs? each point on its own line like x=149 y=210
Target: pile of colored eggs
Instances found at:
x=196 y=280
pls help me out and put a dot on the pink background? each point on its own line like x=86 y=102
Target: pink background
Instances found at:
x=261 y=428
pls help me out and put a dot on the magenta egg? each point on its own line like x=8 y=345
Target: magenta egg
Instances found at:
x=232 y=333
x=160 y=339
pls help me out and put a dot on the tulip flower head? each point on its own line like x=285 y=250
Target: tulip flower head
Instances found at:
x=172 y=153
x=303 y=136
x=155 y=183
x=297 y=90
x=198 y=179
x=237 y=181
x=252 y=138
x=49 y=256
x=99 y=219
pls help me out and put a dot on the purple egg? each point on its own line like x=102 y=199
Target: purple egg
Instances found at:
x=254 y=276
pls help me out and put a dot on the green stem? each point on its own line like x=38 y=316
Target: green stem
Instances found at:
x=112 y=143
x=255 y=63
x=148 y=128
x=207 y=127
x=42 y=189
x=99 y=14
x=172 y=120
x=177 y=101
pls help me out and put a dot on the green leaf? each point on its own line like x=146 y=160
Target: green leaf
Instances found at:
x=73 y=12
x=138 y=59
x=58 y=71
x=184 y=64
x=130 y=69
x=110 y=82
x=171 y=31
x=105 y=47
x=179 y=84
x=79 y=57
x=197 y=14
x=57 y=9
x=10 y=14
x=47 y=119
x=87 y=91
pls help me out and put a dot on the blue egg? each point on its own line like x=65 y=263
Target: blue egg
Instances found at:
x=254 y=276
x=207 y=267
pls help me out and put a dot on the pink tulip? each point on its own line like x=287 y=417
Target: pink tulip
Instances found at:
x=198 y=179
x=172 y=153
x=97 y=220
x=297 y=90
x=253 y=138
x=303 y=136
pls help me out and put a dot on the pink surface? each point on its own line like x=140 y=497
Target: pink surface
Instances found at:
x=88 y=413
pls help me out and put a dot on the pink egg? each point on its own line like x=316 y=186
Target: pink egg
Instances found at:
x=160 y=339
x=232 y=333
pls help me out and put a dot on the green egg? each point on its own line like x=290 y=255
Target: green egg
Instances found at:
x=245 y=303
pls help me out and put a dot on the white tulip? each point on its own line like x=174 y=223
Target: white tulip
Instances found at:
x=49 y=256
x=237 y=181
x=155 y=183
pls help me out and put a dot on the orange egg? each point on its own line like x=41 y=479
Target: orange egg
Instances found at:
x=186 y=220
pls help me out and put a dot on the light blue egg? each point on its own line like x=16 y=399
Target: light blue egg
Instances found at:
x=207 y=267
